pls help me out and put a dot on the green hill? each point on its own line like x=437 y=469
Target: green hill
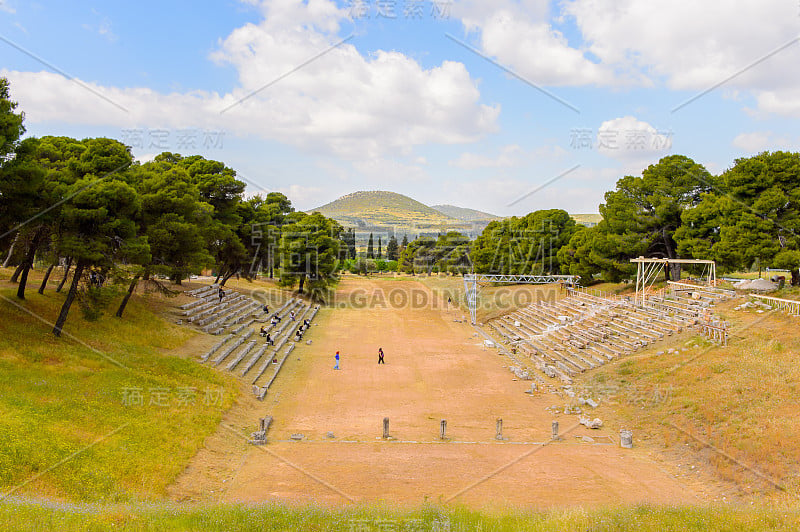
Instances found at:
x=464 y=214
x=381 y=211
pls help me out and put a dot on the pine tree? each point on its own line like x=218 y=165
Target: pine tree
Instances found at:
x=379 y=248
x=370 y=252
x=391 y=249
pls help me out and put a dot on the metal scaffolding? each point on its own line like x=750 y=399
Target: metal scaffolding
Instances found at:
x=471 y=281
x=648 y=269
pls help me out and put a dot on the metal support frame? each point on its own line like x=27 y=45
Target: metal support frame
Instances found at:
x=648 y=269
x=471 y=281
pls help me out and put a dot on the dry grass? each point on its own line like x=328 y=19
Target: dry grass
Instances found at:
x=740 y=400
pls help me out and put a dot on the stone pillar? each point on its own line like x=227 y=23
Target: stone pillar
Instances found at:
x=626 y=439
x=555 y=430
x=385 y=428
x=499 y=428
x=443 y=430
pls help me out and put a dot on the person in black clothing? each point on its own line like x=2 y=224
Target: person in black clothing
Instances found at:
x=269 y=340
x=380 y=356
x=221 y=294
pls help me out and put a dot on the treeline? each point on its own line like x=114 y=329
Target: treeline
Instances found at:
x=88 y=206
x=746 y=218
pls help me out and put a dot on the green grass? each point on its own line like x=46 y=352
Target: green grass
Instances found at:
x=26 y=516
x=67 y=399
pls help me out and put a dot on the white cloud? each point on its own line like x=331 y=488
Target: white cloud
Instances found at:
x=628 y=139
x=693 y=45
x=784 y=102
x=759 y=141
x=682 y=44
x=521 y=37
x=6 y=6
x=343 y=103
x=508 y=157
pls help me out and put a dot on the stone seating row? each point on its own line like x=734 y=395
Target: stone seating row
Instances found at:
x=582 y=332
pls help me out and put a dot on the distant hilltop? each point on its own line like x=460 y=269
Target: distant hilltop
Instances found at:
x=383 y=212
x=389 y=213
x=467 y=215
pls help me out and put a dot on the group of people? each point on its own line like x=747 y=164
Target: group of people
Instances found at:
x=298 y=335
x=265 y=334
x=380 y=358
x=303 y=328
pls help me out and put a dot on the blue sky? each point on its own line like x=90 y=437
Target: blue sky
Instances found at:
x=419 y=99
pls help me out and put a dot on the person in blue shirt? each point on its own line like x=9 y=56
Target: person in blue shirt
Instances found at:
x=337 y=361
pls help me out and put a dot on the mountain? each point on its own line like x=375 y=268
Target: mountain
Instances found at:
x=387 y=213
x=461 y=213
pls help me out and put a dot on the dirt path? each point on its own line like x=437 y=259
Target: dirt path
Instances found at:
x=435 y=369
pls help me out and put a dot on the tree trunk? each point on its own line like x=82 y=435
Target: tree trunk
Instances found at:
x=27 y=262
x=228 y=276
x=11 y=251
x=73 y=290
x=15 y=275
x=46 y=278
x=271 y=262
x=302 y=282
x=66 y=273
x=216 y=281
x=796 y=277
x=125 y=299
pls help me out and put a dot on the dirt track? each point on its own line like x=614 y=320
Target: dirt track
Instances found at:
x=435 y=369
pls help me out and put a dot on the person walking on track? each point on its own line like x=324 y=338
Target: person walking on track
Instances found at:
x=337 y=360
x=380 y=356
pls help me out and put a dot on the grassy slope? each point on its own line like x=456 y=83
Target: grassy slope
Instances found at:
x=462 y=213
x=269 y=518
x=740 y=399
x=384 y=208
x=58 y=396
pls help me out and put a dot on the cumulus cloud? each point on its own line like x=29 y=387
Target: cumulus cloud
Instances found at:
x=339 y=102
x=628 y=139
x=759 y=141
x=749 y=46
x=520 y=35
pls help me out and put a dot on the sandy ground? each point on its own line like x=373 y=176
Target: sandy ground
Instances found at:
x=436 y=368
